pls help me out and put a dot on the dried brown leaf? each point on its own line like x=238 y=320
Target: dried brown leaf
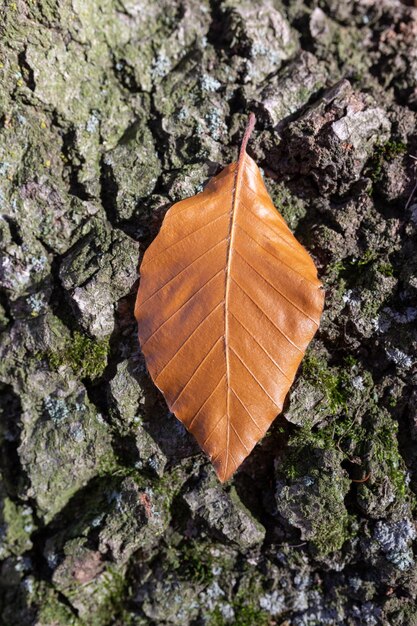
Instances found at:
x=227 y=305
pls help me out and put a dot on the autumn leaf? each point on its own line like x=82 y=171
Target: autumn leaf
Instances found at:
x=227 y=305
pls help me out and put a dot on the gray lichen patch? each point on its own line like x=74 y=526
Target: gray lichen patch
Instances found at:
x=132 y=168
x=138 y=515
x=395 y=540
x=92 y=586
x=194 y=119
x=260 y=33
x=61 y=449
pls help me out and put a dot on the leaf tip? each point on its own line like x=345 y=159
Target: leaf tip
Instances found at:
x=224 y=470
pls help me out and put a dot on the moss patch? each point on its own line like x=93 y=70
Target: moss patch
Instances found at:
x=313 y=499
x=54 y=613
x=244 y=615
x=384 y=452
x=19 y=526
x=363 y=434
x=292 y=208
x=197 y=564
x=361 y=270
x=384 y=153
x=334 y=383
x=86 y=357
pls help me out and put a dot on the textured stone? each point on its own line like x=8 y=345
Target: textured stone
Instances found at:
x=224 y=513
x=314 y=503
x=343 y=126
x=259 y=32
x=132 y=169
x=96 y=274
x=63 y=442
x=137 y=517
x=289 y=89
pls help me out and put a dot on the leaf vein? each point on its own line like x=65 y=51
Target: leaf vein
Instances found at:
x=277 y=290
x=195 y=372
x=239 y=437
x=174 y=243
x=194 y=206
x=182 y=306
x=253 y=376
x=261 y=346
x=187 y=339
x=267 y=316
x=276 y=257
x=213 y=430
x=205 y=402
x=246 y=409
x=278 y=214
x=187 y=267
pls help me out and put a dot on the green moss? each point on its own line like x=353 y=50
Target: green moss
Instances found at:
x=372 y=438
x=217 y=619
x=313 y=500
x=19 y=526
x=385 y=454
x=386 y=269
x=53 y=612
x=331 y=523
x=383 y=153
x=245 y=615
x=346 y=433
x=400 y=611
x=114 y=589
x=349 y=50
x=197 y=561
x=368 y=257
x=334 y=383
x=86 y=357
x=109 y=466
x=107 y=598
x=197 y=564
x=292 y=208
x=353 y=268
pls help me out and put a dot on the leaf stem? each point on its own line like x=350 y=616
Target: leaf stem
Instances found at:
x=249 y=128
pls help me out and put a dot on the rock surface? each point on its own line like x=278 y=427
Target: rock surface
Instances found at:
x=109 y=112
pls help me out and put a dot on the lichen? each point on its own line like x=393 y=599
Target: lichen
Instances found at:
x=289 y=205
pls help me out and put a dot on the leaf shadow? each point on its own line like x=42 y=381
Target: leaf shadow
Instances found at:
x=168 y=433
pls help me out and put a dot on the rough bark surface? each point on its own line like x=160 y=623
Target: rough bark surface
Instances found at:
x=111 y=111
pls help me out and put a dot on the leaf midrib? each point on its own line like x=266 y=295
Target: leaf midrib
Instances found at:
x=229 y=257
